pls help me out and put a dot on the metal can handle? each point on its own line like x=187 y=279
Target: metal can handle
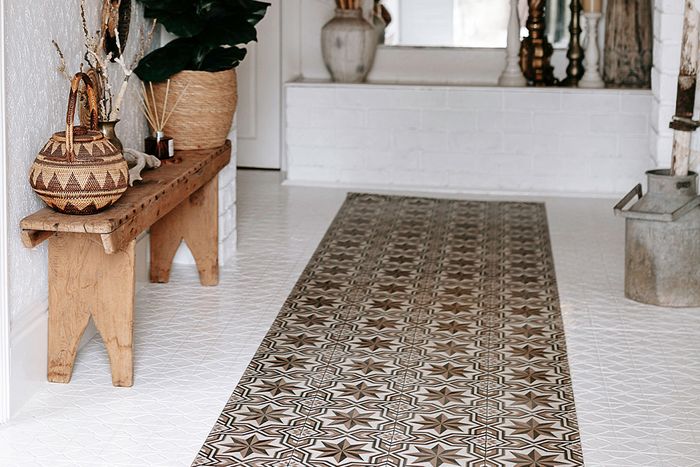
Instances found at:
x=652 y=216
x=620 y=206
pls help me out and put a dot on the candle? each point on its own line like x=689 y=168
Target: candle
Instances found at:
x=592 y=6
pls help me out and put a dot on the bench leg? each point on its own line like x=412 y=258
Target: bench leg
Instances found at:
x=196 y=221
x=84 y=281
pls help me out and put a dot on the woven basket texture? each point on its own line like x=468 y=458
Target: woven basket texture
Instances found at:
x=94 y=181
x=203 y=117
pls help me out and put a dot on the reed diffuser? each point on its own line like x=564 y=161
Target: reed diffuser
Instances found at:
x=158 y=144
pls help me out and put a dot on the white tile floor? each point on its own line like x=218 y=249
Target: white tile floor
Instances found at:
x=636 y=369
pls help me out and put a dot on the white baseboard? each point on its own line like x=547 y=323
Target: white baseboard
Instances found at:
x=28 y=340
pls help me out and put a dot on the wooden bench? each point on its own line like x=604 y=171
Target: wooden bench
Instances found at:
x=91 y=258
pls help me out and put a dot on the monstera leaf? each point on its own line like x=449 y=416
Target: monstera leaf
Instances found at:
x=211 y=35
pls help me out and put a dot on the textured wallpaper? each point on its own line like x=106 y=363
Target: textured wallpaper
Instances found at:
x=36 y=99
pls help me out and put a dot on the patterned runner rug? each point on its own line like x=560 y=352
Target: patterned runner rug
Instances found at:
x=423 y=332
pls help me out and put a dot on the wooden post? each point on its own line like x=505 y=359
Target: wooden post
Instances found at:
x=196 y=221
x=84 y=281
x=682 y=123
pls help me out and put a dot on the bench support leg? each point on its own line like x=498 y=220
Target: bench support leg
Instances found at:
x=196 y=221
x=84 y=281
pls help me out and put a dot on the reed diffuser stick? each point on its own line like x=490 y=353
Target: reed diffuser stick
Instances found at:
x=165 y=104
x=155 y=107
x=184 y=91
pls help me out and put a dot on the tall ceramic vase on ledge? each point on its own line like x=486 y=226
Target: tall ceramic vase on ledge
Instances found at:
x=349 y=44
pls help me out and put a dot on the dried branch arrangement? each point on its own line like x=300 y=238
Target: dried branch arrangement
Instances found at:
x=100 y=63
x=157 y=118
x=349 y=4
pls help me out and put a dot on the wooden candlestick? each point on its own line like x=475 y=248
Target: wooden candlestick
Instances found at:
x=512 y=74
x=574 y=72
x=536 y=51
x=591 y=78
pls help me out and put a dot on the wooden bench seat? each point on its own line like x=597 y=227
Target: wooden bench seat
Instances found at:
x=91 y=258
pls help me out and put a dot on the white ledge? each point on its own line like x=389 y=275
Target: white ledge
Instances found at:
x=314 y=83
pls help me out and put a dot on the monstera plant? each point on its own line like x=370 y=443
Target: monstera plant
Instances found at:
x=194 y=74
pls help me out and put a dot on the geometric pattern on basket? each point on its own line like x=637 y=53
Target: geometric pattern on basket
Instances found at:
x=94 y=181
x=423 y=332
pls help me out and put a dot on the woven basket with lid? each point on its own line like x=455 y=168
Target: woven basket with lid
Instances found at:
x=79 y=171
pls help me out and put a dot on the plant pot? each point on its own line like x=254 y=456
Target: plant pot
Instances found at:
x=662 y=251
x=203 y=116
x=349 y=44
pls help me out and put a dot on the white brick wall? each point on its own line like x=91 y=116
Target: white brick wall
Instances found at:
x=468 y=138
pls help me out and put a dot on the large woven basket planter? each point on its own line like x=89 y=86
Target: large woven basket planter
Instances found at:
x=202 y=119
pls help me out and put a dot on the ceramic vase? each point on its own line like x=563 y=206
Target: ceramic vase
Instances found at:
x=349 y=44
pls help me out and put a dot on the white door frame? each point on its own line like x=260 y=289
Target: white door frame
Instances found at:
x=4 y=308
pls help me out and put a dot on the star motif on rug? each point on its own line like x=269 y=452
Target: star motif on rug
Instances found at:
x=457 y=291
x=248 y=446
x=319 y=302
x=525 y=294
x=534 y=459
x=327 y=285
x=526 y=311
x=453 y=307
x=375 y=343
x=437 y=456
x=262 y=415
x=382 y=323
x=529 y=352
x=441 y=423
x=447 y=371
x=348 y=243
x=367 y=366
x=392 y=288
x=444 y=395
x=450 y=348
x=360 y=391
x=531 y=400
x=287 y=363
x=300 y=340
x=453 y=327
x=530 y=375
x=351 y=419
x=341 y=451
x=533 y=428
x=277 y=387
x=527 y=331
x=310 y=320
x=387 y=304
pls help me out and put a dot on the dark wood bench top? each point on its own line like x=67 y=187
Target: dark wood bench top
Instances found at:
x=142 y=205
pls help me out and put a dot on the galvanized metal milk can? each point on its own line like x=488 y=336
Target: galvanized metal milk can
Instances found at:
x=662 y=245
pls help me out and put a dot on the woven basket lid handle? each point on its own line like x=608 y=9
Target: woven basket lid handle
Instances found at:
x=72 y=102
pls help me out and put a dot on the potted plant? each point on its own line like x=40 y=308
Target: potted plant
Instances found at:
x=199 y=65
